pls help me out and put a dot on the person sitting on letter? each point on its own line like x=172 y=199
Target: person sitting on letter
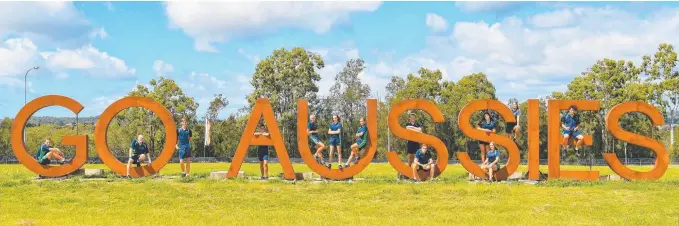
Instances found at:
x=423 y=161
x=139 y=152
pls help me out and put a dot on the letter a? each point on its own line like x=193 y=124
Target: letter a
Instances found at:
x=262 y=109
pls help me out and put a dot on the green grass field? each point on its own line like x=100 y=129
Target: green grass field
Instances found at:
x=377 y=200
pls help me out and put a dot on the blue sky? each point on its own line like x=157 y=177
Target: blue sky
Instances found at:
x=96 y=52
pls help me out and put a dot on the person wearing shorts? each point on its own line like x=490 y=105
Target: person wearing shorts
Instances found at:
x=423 y=161
x=486 y=125
x=571 y=128
x=139 y=152
x=513 y=128
x=314 y=140
x=184 y=136
x=491 y=163
x=263 y=153
x=334 y=130
x=412 y=146
x=46 y=153
x=361 y=141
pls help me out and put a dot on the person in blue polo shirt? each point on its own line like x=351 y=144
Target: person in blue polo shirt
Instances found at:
x=423 y=161
x=486 y=125
x=571 y=128
x=138 y=153
x=513 y=129
x=492 y=161
x=184 y=136
x=312 y=131
x=263 y=153
x=46 y=153
x=334 y=130
x=412 y=146
x=361 y=141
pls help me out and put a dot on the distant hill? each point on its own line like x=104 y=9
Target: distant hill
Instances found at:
x=61 y=121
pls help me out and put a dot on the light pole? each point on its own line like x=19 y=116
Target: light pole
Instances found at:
x=25 y=91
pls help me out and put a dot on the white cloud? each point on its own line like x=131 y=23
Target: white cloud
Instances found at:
x=100 y=32
x=209 y=23
x=254 y=59
x=16 y=56
x=479 y=6
x=54 y=22
x=161 y=68
x=110 y=7
x=436 y=23
x=89 y=59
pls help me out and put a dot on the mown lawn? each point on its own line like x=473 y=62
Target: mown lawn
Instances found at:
x=377 y=200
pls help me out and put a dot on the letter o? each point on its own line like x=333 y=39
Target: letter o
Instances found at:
x=19 y=147
x=111 y=161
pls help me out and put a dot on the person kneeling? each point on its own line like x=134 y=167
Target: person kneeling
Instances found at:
x=138 y=153
x=423 y=161
x=491 y=163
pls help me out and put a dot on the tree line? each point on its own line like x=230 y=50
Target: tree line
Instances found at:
x=291 y=74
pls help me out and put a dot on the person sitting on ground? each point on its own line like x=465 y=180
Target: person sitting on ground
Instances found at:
x=492 y=161
x=139 y=152
x=47 y=153
x=423 y=161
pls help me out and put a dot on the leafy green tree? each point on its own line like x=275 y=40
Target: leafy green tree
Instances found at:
x=662 y=74
x=5 y=144
x=216 y=105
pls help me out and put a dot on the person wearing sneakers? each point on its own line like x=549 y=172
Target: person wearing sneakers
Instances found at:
x=361 y=141
x=423 y=161
x=334 y=130
x=312 y=131
x=513 y=129
x=412 y=146
x=46 y=153
x=263 y=153
x=571 y=128
x=492 y=161
x=139 y=152
x=184 y=135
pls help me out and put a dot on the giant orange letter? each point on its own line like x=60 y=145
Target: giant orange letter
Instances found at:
x=305 y=152
x=102 y=128
x=554 y=136
x=262 y=109
x=533 y=139
x=662 y=157
x=467 y=129
x=19 y=124
x=398 y=131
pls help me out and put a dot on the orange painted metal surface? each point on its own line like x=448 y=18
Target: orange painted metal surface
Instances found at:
x=662 y=159
x=555 y=139
x=463 y=121
x=338 y=174
x=432 y=141
x=262 y=109
x=100 y=139
x=19 y=147
x=533 y=139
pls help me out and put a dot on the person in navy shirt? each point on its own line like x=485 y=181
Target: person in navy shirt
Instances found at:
x=513 y=128
x=571 y=127
x=412 y=146
x=263 y=153
x=184 y=136
x=492 y=161
x=423 y=161
x=138 y=153
x=312 y=131
x=335 y=131
x=487 y=125
x=361 y=141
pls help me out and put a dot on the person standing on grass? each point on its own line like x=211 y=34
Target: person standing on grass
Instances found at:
x=335 y=140
x=486 y=125
x=312 y=131
x=184 y=136
x=46 y=153
x=492 y=161
x=423 y=161
x=412 y=146
x=139 y=152
x=513 y=128
x=361 y=141
x=263 y=153
x=571 y=128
